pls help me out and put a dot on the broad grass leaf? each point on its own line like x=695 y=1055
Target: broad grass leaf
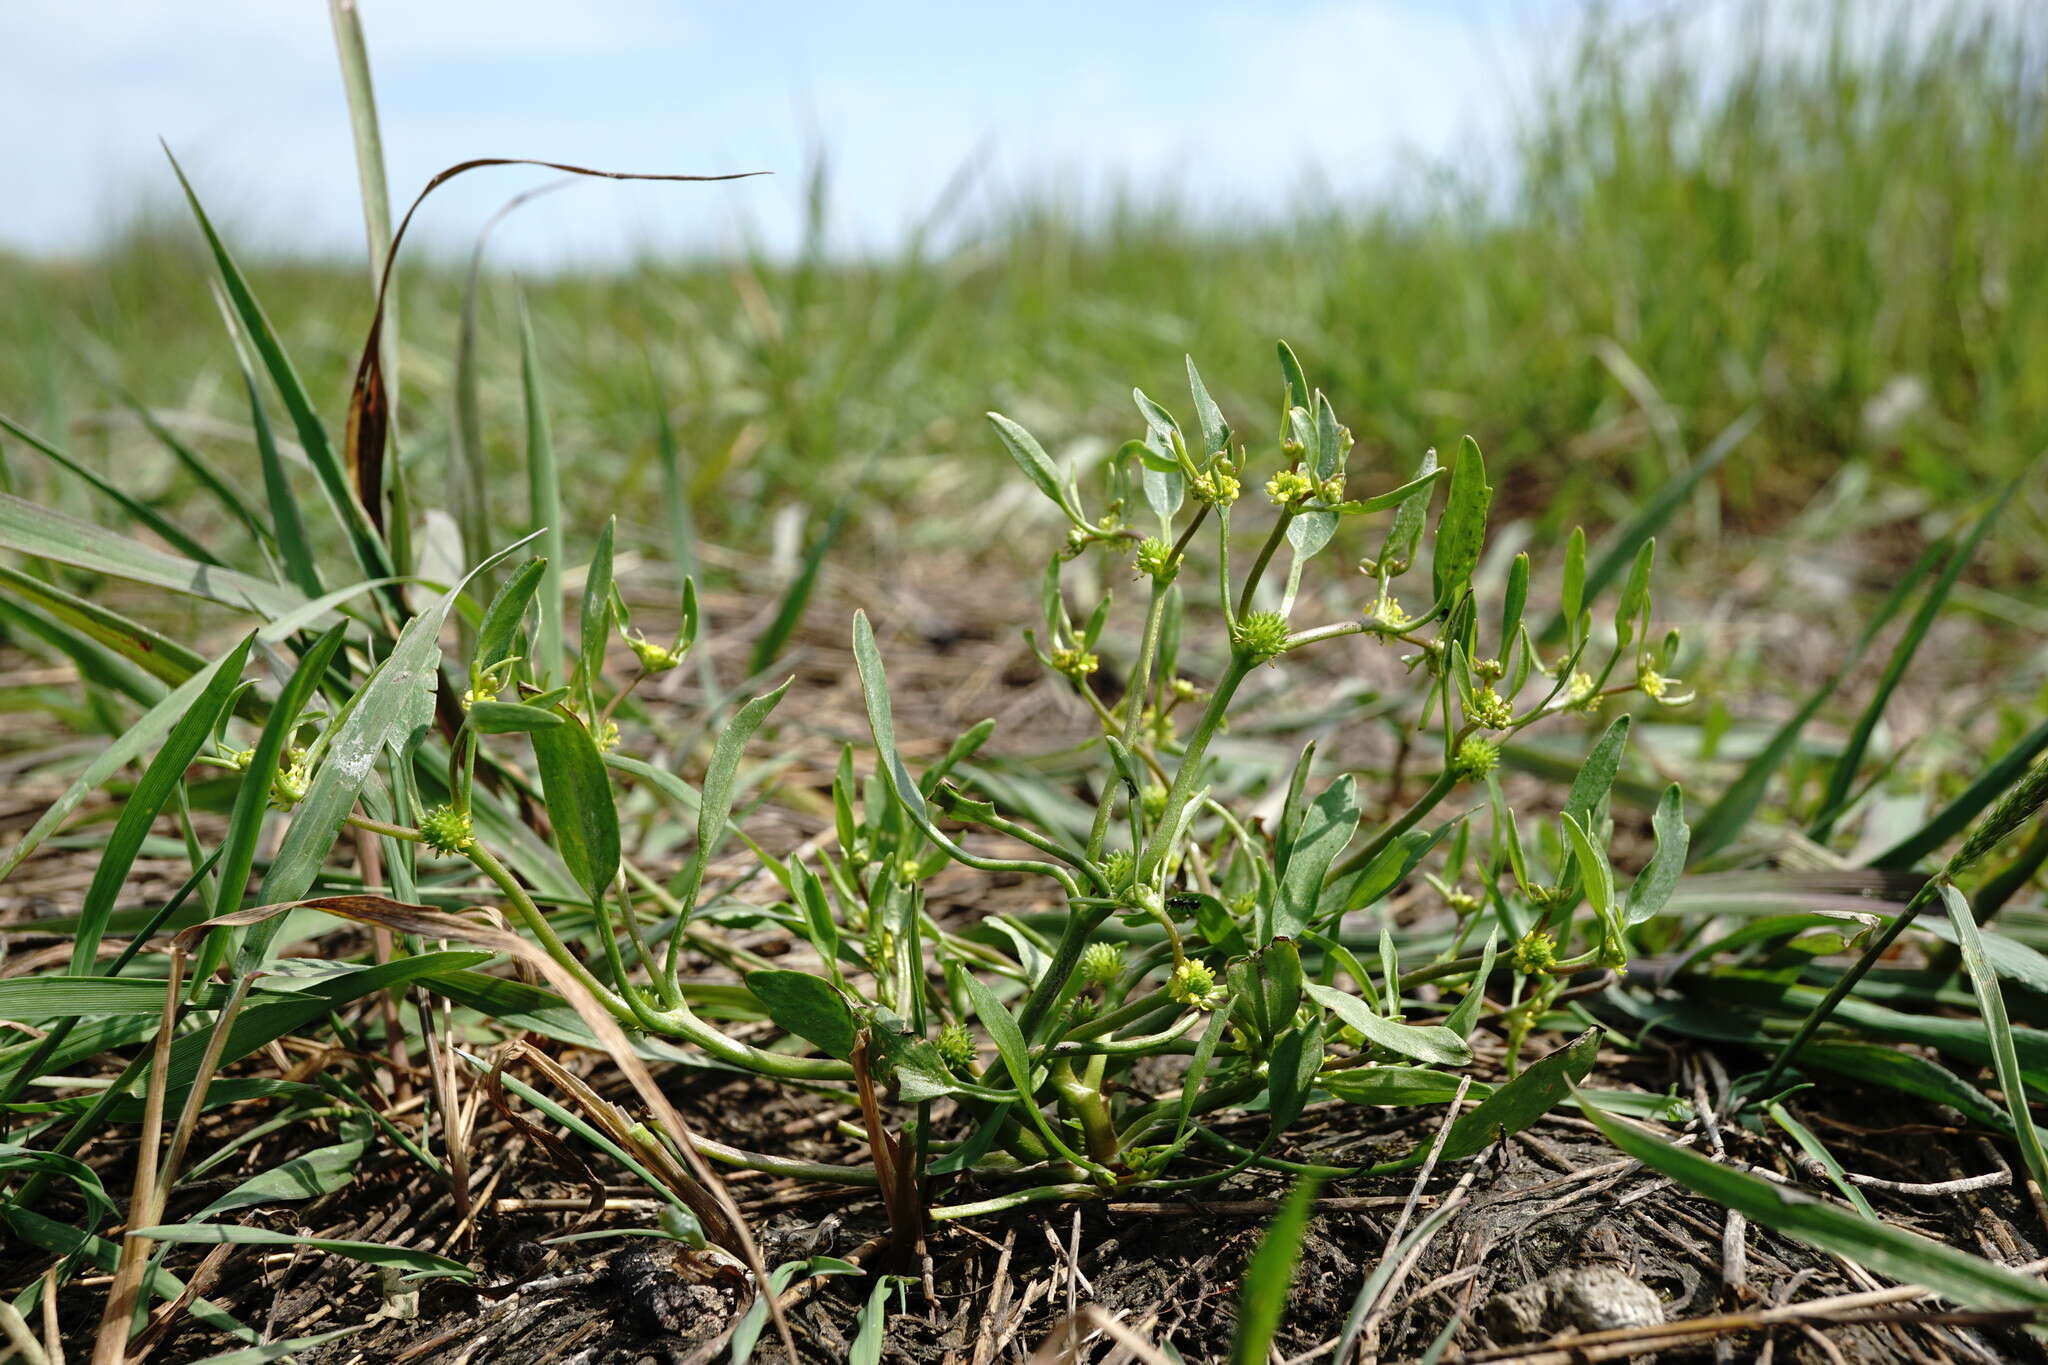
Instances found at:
x=578 y=793
x=1461 y=532
x=1653 y=886
x=45 y=533
x=1514 y=1105
x=1329 y=824
x=323 y=1170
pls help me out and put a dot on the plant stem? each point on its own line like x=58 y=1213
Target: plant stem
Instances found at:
x=1819 y=1013
x=1065 y=957
x=1266 y=552
x=1183 y=789
x=537 y=924
x=1424 y=804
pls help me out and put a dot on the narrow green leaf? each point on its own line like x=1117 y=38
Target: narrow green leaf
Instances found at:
x=45 y=533
x=715 y=801
x=1730 y=814
x=1991 y=1008
x=1426 y=1043
x=136 y=510
x=1843 y=776
x=1270 y=1275
x=424 y=1264
x=1038 y=467
x=159 y=782
x=595 y=619
x=320 y=452
x=1956 y=816
x=543 y=503
x=1884 y=1248
x=498 y=636
x=323 y=1170
x=1596 y=774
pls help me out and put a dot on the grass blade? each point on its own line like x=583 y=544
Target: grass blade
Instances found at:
x=1991 y=1007
x=1881 y=1247
x=1843 y=777
x=1270 y=1275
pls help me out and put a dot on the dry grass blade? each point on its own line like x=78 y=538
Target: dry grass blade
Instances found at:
x=369 y=408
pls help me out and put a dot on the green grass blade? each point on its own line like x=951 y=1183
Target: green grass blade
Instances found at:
x=543 y=503
x=789 y=611
x=320 y=453
x=1270 y=1275
x=159 y=781
x=1991 y=1008
x=158 y=655
x=1842 y=779
x=1956 y=816
x=423 y=1264
x=1730 y=814
x=124 y=749
x=136 y=509
x=1813 y=1147
x=252 y=798
x=287 y=522
x=1881 y=1247
x=48 y=534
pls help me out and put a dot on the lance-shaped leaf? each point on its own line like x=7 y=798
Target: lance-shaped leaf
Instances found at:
x=1659 y=877
x=1461 y=532
x=578 y=794
x=1425 y=1043
x=1036 y=464
x=1331 y=821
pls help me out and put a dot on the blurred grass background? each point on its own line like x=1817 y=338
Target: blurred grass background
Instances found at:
x=1848 y=240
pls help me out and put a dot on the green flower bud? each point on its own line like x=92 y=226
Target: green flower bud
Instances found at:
x=1154 y=799
x=1462 y=902
x=1390 y=612
x=1100 y=962
x=956 y=1046
x=1259 y=636
x=1476 y=758
x=1488 y=670
x=653 y=658
x=288 y=787
x=447 y=830
x=1117 y=868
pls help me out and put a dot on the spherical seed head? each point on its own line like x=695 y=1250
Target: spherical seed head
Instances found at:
x=1117 y=868
x=1535 y=952
x=1194 y=985
x=1260 y=635
x=1155 y=557
x=446 y=830
x=1100 y=962
x=1155 y=800
x=956 y=1046
x=1462 y=902
x=1477 y=756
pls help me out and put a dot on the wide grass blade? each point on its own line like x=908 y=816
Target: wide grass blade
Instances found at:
x=425 y=1265
x=48 y=534
x=543 y=504
x=137 y=510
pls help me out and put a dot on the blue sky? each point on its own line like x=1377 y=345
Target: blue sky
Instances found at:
x=1226 y=106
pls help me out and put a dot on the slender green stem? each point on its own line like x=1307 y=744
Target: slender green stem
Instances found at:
x=1065 y=957
x=1265 y=557
x=1818 y=1015
x=1424 y=804
x=1189 y=772
x=1148 y=649
x=1015 y=1199
x=682 y=1022
x=1128 y=1047
x=537 y=924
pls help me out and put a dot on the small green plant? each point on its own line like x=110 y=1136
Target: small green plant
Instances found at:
x=1183 y=928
